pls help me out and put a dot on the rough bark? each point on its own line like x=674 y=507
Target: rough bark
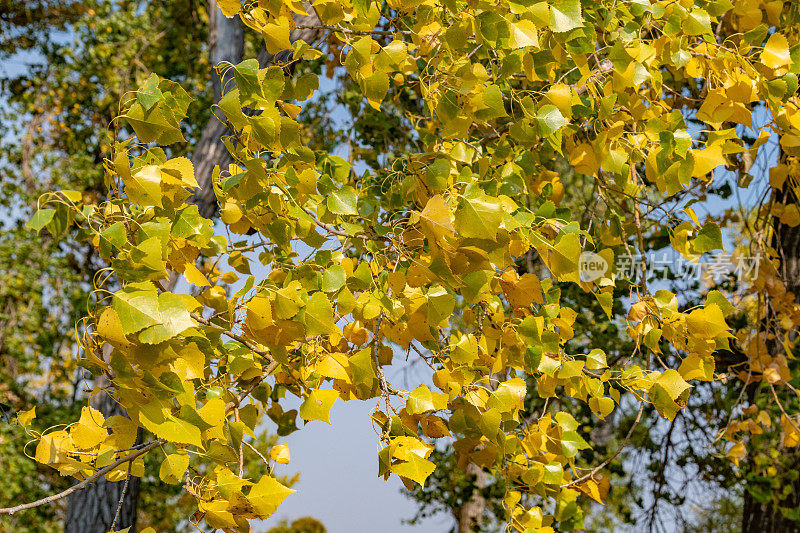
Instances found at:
x=226 y=43
x=92 y=510
x=470 y=515
x=765 y=517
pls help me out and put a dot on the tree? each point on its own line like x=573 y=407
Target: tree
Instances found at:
x=53 y=139
x=417 y=248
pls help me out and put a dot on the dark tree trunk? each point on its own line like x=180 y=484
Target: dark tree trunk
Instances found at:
x=92 y=510
x=766 y=517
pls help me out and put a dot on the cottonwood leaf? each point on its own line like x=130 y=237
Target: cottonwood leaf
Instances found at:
x=317 y=405
x=478 y=218
x=343 y=201
x=267 y=495
x=173 y=467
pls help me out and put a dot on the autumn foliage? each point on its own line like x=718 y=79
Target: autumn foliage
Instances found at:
x=322 y=274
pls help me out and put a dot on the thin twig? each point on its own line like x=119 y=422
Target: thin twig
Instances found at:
x=121 y=498
x=235 y=337
x=353 y=32
x=619 y=450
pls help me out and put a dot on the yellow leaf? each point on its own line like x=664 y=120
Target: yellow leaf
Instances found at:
x=109 y=328
x=173 y=467
x=707 y=160
x=672 y=382
x=421 y=400
x=191 y=362
x=267 y=495
x=276 y=38
x=259 y=313
x=26 y=417
x=697 y=367
x=213 y=412
x=584 y=159
x=333 y=366
x=523 y=34
x=89 y=431
x=776 y=52
x=52 y=448
x=317 y=405
x=280 y=454
x=194 y=276
x=179 y=171
x=437 y=219
x=415 y=468
x=596 y=488
x=601 y=407
x=791 y=437
x=560 y=95
x=738 y=451
x=466 y=350
x=123 y=432
x=707 y=322
x=230 y=8
x=521 y=292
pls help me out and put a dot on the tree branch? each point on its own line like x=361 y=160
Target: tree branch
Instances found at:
x=86 y=482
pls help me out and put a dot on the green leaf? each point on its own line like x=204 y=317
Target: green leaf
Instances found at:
x=157 y=418
x=343 y=201
x=697 y=23
x=144 y=187
x=333 y=279
x=550 y=120
x=708 y=238
x=318 y=315
x=375 y=88
x=478 y=218
x=174 y=319
x=564 y=259
x=137 y=307
x=40 y=219
x=440 y=304
x=565 y=15
x=493 y=107
x=305 y=86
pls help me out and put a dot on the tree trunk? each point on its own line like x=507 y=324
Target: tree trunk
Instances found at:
x=93 y=509
x=766 y=517
x=470 y=515
x=226 y=43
